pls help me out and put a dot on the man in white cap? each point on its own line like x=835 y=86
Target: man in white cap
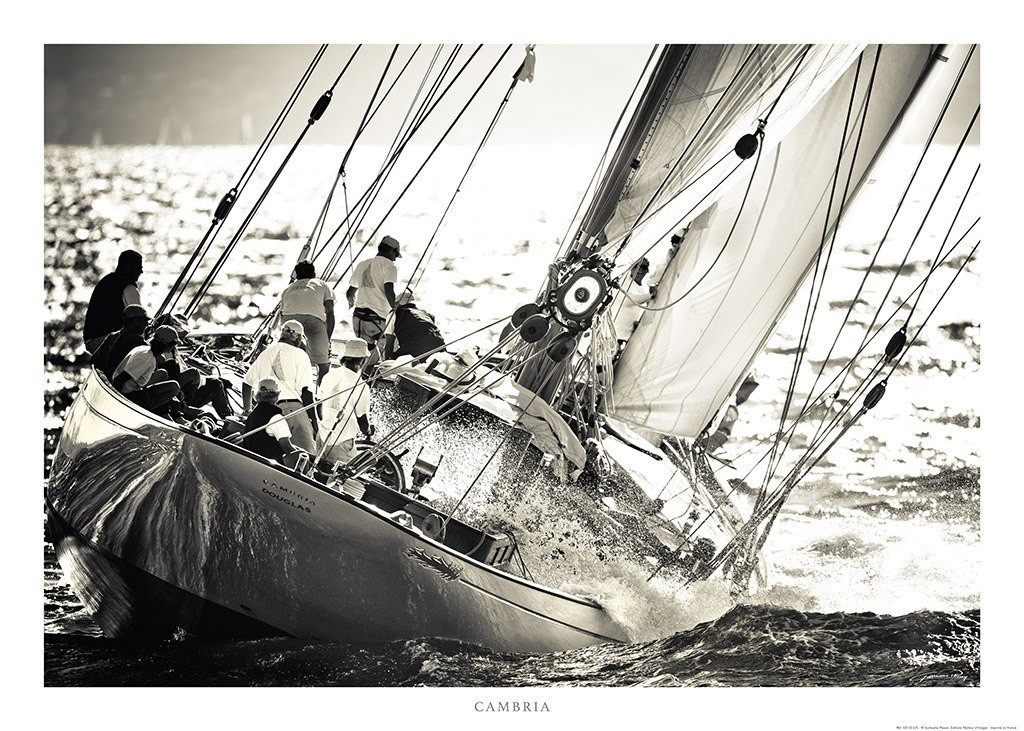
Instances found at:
x=266 y=430
x=286 y=361
x=310 y=300
x=371 y=291
x=346 y=403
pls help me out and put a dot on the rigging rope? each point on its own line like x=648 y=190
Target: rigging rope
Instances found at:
x=315 y=114
x=564 y=242
x=369 y=195
x=362 y=205
x=228 y=201
x=406 y=129
x=437 y=146
x=640 y=218
x=816 y=287
x=768 y=506
x=417 y=272
x=907 y=188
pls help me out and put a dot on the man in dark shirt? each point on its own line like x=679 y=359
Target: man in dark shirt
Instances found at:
x=115 y=346
x=414 y=329
x=267 y=433
x=112 y=294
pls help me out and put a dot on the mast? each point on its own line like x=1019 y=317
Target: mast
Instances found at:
x=627 y=156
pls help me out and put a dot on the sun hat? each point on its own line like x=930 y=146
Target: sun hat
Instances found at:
x=293 y=326
x=356 y=348
x=404 y=298
x=269 y=385
x=392 y=243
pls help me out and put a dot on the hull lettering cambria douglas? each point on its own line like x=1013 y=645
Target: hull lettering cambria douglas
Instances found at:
x=285 y=500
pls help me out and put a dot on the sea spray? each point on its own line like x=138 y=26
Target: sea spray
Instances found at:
x=651 y=608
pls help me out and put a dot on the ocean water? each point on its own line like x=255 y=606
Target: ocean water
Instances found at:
x=875 y=563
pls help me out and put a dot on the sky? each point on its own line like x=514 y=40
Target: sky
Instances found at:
x=216 y=94
x=200 y=94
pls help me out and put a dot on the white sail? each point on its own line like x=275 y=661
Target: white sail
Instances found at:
x=720 y=94
x=682 y=363
x=675 y=158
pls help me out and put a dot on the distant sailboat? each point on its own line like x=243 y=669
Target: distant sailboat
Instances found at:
x=165 y=131
x=97 y=138
x=245 y=129
x=186 y=135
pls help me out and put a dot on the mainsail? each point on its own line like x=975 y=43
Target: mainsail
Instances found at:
x=742 y=261
x=676 y=156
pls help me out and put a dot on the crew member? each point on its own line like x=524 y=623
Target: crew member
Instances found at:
x=371 y=291
x=310 y=300
x=346 y=403
x=139 y=379
x=286 y=361
x=115 y=346
x=112 y=294
x=266 y=430
x=414 y=329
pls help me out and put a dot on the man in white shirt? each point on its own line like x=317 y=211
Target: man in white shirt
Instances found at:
x=346 y=404
x=286 y=361
x=311 y=301
x=139 y=379
x=371 y=291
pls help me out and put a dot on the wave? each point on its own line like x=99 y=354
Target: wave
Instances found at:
x=750 y=646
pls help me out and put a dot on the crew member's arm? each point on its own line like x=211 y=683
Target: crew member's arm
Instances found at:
x=246 y=398
x=307 y=400
x=121 y=379
x=350 y=295
x=362 y=410
x=277 y=427
x=168 y=360
x=329 y=310
x=389 y=292
x=132 y=370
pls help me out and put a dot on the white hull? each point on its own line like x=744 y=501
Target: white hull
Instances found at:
x=146 y=512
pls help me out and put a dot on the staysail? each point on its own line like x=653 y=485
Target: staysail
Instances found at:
x=743 y=260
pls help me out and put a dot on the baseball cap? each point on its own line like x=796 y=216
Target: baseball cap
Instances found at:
x=392 y=243
x=166 y=334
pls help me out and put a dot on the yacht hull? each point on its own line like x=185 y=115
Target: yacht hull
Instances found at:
x=158 y=528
